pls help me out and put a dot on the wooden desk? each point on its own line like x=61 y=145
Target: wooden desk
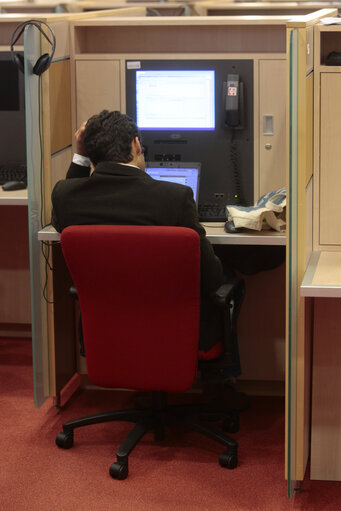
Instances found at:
x=215 y=233
x=263 y=373
x=15 y=198
x=322 y=282
x=15 y=313
x=323 y=276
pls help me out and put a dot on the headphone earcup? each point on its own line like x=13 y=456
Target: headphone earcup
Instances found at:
x=19 y=62
x=42 y=64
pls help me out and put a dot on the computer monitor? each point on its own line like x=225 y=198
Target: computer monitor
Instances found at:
x=12 y=112
x=184 y=173
x=9 y=86
x=175 y=99
x=181 y=110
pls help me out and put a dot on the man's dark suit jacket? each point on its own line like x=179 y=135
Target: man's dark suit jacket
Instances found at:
x=118 y=194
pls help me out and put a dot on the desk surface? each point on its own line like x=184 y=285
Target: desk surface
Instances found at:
x=15 y=198
x=217 y=236
x=323 y=275
x=215 y=233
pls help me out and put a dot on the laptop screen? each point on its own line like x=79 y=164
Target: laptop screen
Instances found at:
x=176 y=172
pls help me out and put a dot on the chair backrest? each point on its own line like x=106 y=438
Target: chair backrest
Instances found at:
x=139 y=294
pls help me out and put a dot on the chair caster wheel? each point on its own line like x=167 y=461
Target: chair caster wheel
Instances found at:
x=65 y=440
x=231 y=424
x=119 y=470
x=228 y=460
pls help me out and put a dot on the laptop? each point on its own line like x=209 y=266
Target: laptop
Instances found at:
x=181 y=172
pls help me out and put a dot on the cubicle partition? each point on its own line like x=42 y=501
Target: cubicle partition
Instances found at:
x=157 y=8
x=321 y=285
x=225 y=8
x=153 y=8
x=299 y=239
x=20 y=7
x=311 y=289
x=99 y=54
x=281 y=55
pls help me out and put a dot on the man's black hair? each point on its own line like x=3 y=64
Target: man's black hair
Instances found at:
x=108 y=137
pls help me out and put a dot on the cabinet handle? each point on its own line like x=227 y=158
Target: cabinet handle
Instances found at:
x=268 y=124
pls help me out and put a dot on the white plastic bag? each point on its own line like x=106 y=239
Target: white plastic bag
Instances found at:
x=269 y=212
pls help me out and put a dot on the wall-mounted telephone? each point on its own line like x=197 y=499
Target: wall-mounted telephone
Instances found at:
x=234 y=99
x=234 y=119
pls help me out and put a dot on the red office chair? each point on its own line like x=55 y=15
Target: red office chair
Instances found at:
x=139 y=293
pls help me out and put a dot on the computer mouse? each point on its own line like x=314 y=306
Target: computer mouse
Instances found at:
x=230 y=227
x=14 y=185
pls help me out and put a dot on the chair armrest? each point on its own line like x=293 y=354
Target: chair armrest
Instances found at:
x=73 y=292
x=229 y=298
x=225 y=292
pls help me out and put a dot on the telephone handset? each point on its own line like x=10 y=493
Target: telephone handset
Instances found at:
x=234 y=111
x=234 y=119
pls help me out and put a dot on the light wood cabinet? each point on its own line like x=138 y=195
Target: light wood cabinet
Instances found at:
x=329 y=164
x=98 y=87
x=272 y=124
x=325 y=263
x=327 y=227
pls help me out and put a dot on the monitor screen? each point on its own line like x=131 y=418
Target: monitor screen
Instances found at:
x=175 y=99
x=9 y=86
x=12 y=112
x=183 y=173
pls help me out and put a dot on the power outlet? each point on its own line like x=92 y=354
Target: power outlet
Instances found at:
x=219 y=195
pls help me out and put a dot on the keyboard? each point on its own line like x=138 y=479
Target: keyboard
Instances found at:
x=212 y=212
x=13 y=172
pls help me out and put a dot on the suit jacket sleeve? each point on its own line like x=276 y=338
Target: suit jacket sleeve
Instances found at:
x=74 y=171
x=211 y=267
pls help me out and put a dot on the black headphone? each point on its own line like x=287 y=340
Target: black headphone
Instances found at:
x=44 y=61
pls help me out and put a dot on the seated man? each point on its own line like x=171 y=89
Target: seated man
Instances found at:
x=120 y=192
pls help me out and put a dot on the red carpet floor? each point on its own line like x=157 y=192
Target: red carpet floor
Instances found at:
x=180 y=474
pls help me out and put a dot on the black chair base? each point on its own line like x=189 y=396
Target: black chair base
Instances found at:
x=156 y=417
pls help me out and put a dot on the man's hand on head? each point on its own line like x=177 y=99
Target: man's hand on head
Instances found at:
x=79 y=135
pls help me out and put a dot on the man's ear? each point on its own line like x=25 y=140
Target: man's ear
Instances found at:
x=137 y=145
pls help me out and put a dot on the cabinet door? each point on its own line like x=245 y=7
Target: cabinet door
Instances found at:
x=330 y=175
x=98 y=87
x=14 y=266
x=272 y=125
x=326 y=391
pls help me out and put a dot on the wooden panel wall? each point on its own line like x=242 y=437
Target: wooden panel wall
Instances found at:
x=60 y=163
x=60 y=105
x=330 y=176
x=272 y=148
x=181 y=39
x=98 y=87
x=309 y=127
